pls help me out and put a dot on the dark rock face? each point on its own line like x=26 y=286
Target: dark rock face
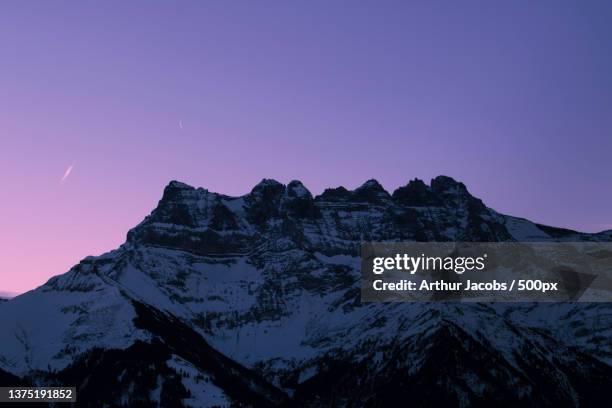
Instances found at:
x=370 y=192
x=453 y=361
x=262 y=202
x=335 y=194
x=192 y=219
x=223 y=219
x=174 y=206
x=298 y=202
x=255 y=301
x=416 y=194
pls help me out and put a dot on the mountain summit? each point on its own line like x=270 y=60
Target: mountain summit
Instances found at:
x=216 y=300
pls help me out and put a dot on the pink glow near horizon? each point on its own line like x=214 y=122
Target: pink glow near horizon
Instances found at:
x=135 y=95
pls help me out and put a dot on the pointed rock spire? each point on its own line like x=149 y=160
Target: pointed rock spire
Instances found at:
x=416 y=194
x=370 y=191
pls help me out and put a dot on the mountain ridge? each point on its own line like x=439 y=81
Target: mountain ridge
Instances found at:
x=270 y=281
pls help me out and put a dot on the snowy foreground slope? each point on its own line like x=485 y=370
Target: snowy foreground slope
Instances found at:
x=254 y=300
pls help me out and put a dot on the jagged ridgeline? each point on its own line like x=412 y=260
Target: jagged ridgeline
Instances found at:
x=255 y=301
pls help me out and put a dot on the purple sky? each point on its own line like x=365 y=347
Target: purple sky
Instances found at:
x=512 y=98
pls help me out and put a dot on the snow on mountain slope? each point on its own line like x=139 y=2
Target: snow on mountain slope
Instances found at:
x=48 y=327
x=271 y=280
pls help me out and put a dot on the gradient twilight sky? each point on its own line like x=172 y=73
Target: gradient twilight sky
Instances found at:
x=512 y=98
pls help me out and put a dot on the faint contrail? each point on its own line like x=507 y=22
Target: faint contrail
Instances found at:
x=180 y=124
x=67 y=172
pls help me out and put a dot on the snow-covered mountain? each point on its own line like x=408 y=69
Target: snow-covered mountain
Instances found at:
x=255 y=300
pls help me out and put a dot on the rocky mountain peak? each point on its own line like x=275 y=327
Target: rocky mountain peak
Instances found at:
x=297 y=201
x=175 y=189
x=268 y=188
x=371 y=191
x=445 y=184
x=334 y=194
x=417 y=194
x=295 y=189
x=263 y=202
x=455 y=194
